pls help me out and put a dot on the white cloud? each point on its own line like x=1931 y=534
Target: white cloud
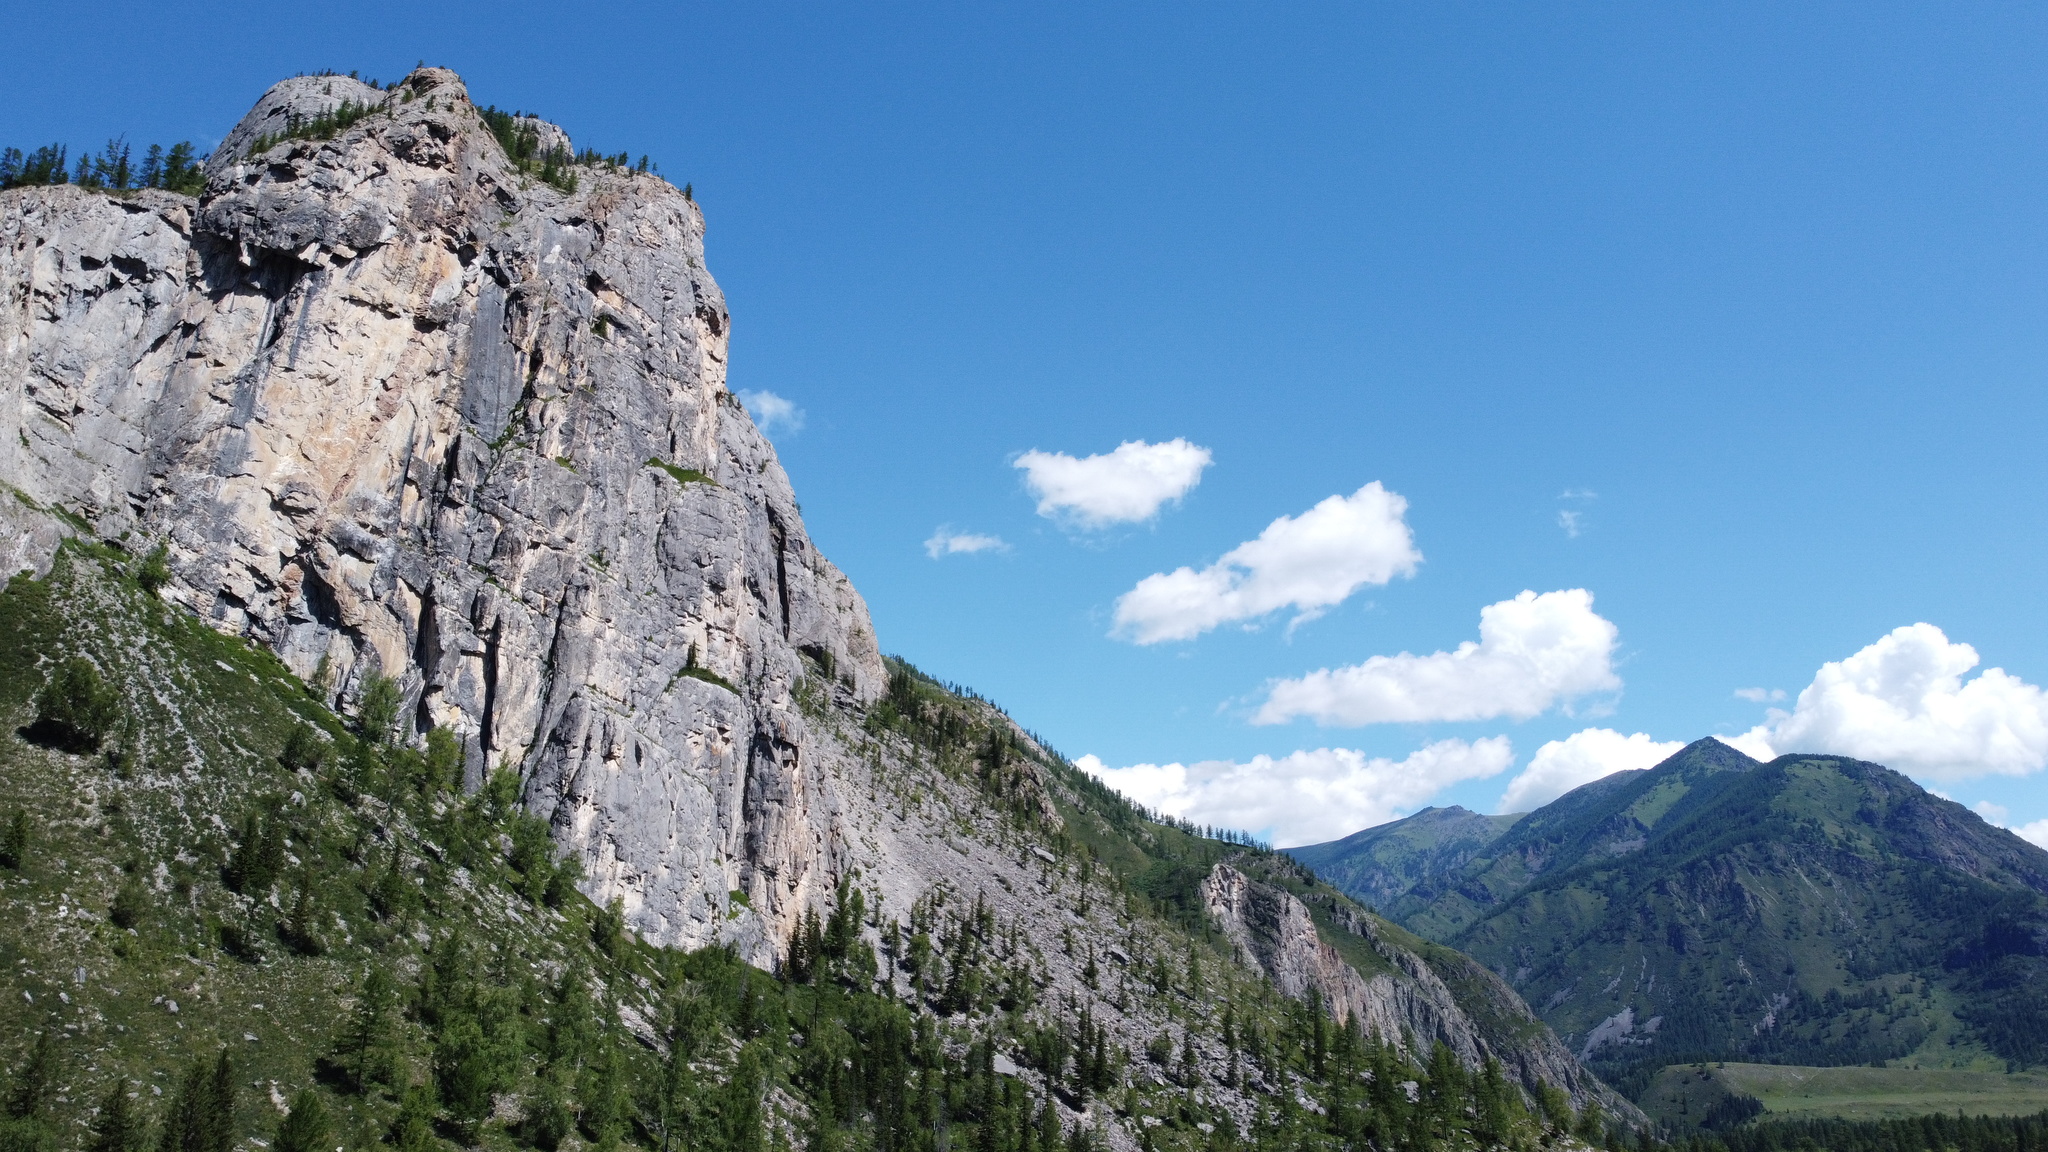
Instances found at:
x=1309 y=796
x=1533 y=652
x=1120 y=487
x=1751 y=744
x=1308 y=562
x=1992 y=813
x=1760 y=695
x=945 y=542
x=1902 y=702
x=2035 y=833
x=1581 y=758
x=772 y=412
x=1573 y=520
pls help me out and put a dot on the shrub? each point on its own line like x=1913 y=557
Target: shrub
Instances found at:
x=131 y=904
x=76 y=709
x=239 y=942
x=608 y=929
x=303 y=749
x=154 y=570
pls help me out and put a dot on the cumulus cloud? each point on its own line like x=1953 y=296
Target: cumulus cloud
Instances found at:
x=1581 y=758
x=1309 y=562
x=1309 y=796
x=946 y=542
x=1120 y=487
x=771 y=412
x=1568 y=519
x=1533 y=652
x=2035 y=833
x=1760 y=695
x=1903 y=703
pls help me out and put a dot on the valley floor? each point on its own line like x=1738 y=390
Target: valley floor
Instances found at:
x=1686 y=1092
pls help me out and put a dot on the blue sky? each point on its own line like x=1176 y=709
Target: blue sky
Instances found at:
x=1760 y=286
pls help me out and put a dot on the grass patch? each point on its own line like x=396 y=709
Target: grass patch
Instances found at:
x=682 y=475
x=1684 y=1093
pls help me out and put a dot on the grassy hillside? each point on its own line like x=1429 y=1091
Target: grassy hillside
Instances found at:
x=218 y=901
x=1815 y=910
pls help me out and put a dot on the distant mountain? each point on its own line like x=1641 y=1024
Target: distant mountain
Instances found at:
x=1813 y=910
x=1383 y=863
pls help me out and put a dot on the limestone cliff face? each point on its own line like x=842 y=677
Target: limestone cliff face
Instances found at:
x=1408 y=1001
x=397 y=407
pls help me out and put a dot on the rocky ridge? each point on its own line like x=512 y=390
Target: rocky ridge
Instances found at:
x=1405 y=997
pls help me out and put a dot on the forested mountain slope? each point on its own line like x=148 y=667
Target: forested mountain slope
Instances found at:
x=1813 y=910
x=1385 y=862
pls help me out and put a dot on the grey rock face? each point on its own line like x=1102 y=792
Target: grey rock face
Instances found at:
x=399 y=408
x=1407 y=1000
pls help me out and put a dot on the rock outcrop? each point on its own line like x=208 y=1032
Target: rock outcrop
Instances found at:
x=1406 y=1000
x=397 y=407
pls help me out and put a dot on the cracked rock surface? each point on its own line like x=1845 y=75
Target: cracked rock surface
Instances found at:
x=397 y=407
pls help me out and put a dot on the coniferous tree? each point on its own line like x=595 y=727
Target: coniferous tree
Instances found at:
x=306 y=1128
x=366 y=1049
x=202 y=1113
x=117 y=1128
x=300 y=928
x=14 y=841
x=77 y=709
x=413 y=1129
x=739 y=1110
x=35 y=1081
x=182 y=171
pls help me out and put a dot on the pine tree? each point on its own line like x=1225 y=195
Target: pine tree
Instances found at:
x=182 y=173
x=220 y=1127
x=117 y=1128
x=14 y=841
x=306 y=1128
x=739 y=1112
x=364 y=1051
x=413 y=1130
x=301 y=927
x=36 y=1081
x=202 y=1113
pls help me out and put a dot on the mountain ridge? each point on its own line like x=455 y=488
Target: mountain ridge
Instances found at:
x=1811 y=910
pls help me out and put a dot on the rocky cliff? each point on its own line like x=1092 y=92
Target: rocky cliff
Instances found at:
x=399 y=408
x=1406 y=999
